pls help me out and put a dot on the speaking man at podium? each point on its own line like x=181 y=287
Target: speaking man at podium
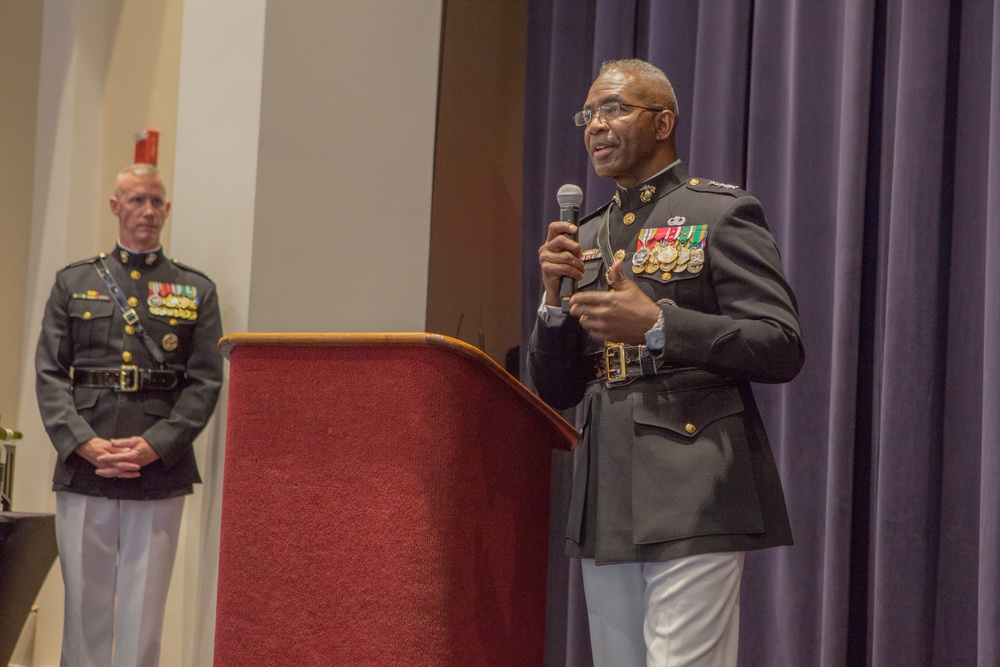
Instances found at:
x=128 y=374
x=681 y=302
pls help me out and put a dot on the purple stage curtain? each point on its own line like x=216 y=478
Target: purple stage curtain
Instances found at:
x=870 y=130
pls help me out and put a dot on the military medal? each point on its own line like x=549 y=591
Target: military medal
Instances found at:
x=639 y=260
x=668 y=257
x=697 y=259
x=667 y=254
x=170 y=342
x=683 y=257
x=173 y=301
x=91 y=295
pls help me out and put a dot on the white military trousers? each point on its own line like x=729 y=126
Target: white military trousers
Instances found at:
x=116 y=558
x=677 y=613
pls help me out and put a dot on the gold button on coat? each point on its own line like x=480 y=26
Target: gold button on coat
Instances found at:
x=126 y=356
x=135 y=274
x=129 y=329
x=132 y=301
x=690 y=428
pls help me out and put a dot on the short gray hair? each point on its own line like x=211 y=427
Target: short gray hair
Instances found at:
x=652 y=75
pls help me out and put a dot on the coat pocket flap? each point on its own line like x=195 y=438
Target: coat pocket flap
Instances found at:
x=591 y=271
x=688 y=411
x=86 y=309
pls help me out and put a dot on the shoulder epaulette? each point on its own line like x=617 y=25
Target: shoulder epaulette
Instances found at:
x=705 y=185
x=190 y=268
x=595 y=214
x=89 y=260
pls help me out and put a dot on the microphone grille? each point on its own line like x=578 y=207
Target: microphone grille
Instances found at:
x=569 y=195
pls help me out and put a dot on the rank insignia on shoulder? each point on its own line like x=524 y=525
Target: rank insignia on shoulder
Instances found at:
x=91 y=295
x=593 y=253
x=727 y=186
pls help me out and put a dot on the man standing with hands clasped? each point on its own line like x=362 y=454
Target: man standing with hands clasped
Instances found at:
x=681 y=304
x=128 y=373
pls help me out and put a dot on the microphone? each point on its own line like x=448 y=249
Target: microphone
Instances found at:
x=569 y=197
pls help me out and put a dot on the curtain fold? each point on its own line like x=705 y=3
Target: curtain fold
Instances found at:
x=870 y=130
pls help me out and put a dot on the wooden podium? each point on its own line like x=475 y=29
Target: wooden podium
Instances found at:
x=385 y=502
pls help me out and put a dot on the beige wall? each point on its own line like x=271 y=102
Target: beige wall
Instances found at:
x=345 y=166
x=20 y=53
x=140 y=83
x=475 y=255
x=218 y=122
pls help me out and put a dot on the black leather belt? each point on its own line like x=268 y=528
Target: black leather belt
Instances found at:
x=127 y=378
x=621 y=364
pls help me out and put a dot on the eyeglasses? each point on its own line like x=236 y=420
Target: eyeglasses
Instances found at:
x=606 y=111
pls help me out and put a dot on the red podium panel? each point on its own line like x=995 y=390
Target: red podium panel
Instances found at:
x=385 y=502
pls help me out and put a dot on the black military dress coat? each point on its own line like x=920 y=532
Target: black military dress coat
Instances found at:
x=677 y=463
x=83 y=329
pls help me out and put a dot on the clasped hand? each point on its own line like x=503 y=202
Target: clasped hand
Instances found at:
x=119 y=457
x=622 y=315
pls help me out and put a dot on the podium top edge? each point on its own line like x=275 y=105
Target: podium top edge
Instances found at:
x=567 y=431
x=227 y=343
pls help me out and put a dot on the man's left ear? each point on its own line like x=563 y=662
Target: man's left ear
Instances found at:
x=665 y=122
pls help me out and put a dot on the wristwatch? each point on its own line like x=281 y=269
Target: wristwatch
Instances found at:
x=656 y=338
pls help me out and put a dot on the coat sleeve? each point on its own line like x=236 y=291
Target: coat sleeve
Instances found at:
x=53 y=387
x=557 y=363
x=755 y=335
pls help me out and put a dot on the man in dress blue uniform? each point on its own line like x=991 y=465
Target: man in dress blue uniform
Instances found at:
x=681 y=303
x=128 y=373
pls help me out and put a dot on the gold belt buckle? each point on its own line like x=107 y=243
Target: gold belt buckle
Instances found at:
x=614 y=362
x=123 y=373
